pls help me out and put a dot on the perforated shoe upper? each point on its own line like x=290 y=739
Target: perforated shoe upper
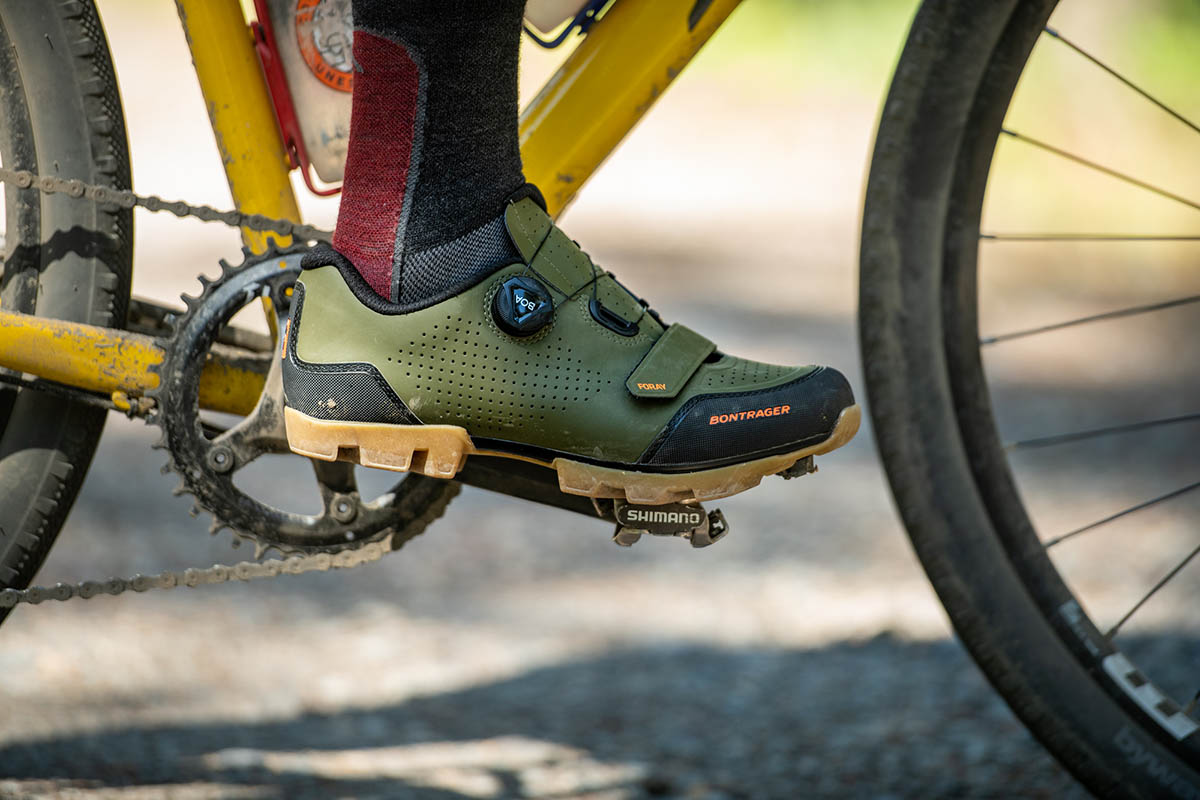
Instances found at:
x=602 y=379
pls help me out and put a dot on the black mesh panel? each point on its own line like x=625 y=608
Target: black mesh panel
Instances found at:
x=456 y=265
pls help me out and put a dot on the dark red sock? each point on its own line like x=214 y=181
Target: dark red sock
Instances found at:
x=433 y=152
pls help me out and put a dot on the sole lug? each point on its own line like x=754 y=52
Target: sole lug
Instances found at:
x=440 y=451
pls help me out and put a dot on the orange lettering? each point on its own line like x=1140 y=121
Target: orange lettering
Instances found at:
x=736 y=416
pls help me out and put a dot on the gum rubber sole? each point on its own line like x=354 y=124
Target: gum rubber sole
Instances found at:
x=440 y=451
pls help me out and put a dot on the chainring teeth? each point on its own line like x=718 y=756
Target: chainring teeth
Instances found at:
x=300 y=561
x=176 y=409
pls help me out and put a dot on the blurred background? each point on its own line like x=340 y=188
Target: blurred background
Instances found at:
x=513 y=650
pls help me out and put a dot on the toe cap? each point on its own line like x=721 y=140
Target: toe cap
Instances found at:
x=716 y=429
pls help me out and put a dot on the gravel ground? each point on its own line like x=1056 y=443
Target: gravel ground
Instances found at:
x=514 y=651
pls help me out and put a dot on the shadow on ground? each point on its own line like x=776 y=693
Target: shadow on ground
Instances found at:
x=879 y=718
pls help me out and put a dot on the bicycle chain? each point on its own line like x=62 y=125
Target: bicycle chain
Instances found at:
x=123 y=198
x=217 y=573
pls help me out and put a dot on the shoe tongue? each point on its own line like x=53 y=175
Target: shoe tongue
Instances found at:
x=558 y=261
x=528 y=226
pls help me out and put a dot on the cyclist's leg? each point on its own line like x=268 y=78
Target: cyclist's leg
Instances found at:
x=451 y=314
x=433 y=152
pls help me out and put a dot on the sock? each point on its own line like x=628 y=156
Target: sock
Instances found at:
x=433 y=153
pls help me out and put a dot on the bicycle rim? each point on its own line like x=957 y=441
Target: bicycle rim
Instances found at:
x=994 y=476
x=934 y=418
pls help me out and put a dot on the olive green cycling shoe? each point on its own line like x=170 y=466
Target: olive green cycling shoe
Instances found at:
x=548 y=360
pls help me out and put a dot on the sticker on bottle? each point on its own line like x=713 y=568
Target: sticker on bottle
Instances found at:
x=325 y=32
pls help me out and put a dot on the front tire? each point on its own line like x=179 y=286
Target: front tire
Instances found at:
x=931 y=409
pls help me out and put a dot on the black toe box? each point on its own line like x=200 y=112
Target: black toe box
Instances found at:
x=717 y=429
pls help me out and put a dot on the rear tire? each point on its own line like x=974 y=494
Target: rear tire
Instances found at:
x=932 y=414
x=66 y=258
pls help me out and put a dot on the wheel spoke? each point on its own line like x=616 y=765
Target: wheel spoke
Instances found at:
x=1078 y=436
x=1161 y=583
x=1100 y=168
x=1123 y=513
x=1054 y=33
x=1121 y=312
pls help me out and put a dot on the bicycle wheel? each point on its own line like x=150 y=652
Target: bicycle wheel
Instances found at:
x=66 y=258
x=935 y=420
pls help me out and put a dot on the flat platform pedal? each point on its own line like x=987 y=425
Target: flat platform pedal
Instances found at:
x=805 y=466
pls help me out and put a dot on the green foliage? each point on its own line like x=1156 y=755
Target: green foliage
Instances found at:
x=804 y=45
x=1162 y=44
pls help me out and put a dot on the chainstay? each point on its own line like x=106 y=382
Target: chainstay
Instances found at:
x=123 y=198
x=217 y=573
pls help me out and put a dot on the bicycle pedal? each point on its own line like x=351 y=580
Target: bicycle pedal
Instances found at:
x=689 y=522
x=805 y=466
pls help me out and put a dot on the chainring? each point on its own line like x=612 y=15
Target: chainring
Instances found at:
x=206 y=458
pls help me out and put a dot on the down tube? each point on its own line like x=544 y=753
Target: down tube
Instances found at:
x=606 y=85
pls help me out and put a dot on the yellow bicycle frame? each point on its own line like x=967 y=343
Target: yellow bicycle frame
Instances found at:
x=579 y=117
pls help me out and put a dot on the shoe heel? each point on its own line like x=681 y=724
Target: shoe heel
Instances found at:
x=438 y=451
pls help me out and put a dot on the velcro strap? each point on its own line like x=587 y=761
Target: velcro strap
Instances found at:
x=560 y=263
x=527 y=226
x=549 y=252
x=670 y=363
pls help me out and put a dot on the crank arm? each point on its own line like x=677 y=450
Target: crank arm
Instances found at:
x=523 y=480
x=120 y=363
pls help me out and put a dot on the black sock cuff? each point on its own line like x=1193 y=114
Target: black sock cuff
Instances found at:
x=470 y=155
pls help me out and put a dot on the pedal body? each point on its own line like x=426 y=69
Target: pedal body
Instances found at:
x=686 y=521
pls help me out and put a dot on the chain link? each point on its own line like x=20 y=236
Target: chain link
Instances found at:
x=105 y=195
x=217 y=573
